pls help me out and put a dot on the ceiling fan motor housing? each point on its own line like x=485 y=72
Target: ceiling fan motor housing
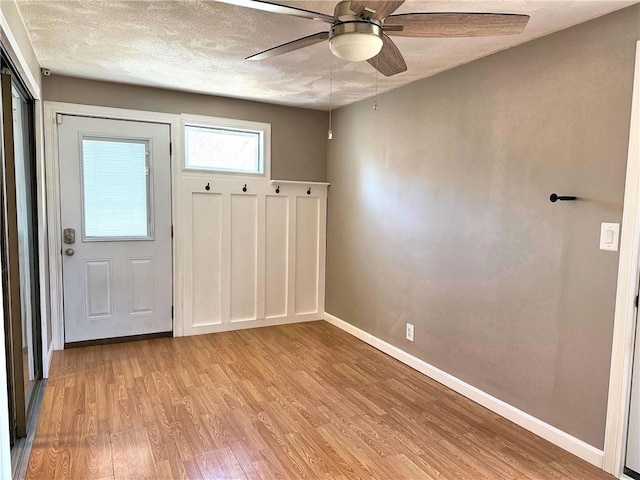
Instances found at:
x=352 y=37
x=356 y=41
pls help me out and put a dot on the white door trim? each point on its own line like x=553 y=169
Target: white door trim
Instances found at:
x=15 y=53
x=51 y=110
x=627 y=289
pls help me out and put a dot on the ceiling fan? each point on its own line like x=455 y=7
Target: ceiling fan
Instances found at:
x=360 y=29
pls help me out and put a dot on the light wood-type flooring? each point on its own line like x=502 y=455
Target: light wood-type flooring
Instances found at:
x=297 y=401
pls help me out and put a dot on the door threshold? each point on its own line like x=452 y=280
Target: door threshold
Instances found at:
x=631 y=473
x=111 y=341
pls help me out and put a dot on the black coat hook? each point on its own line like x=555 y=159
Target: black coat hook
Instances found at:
x=207 y=187
x=278 y=189
x=309 y=191
x=554 y=197
x=244 y=189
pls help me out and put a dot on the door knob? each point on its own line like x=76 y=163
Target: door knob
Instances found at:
x=69 y=252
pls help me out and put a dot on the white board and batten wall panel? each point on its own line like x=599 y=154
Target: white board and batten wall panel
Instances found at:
x=251 y=258
x=244 y=257
x=204 y=293
x=276 y=255
x=307 y=249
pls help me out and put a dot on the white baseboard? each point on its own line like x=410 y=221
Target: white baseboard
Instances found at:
x=526 y=421
x=242 y=325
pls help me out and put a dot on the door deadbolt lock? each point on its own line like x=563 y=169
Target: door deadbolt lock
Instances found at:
x=69 y=236
x=69 y=252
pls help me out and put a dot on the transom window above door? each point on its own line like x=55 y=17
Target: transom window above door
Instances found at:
x=226 y=146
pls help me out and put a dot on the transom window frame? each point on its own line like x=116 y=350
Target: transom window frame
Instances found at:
x=149 y=180
x=204 y=121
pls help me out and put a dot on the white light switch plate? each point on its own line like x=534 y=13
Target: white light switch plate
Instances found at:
x=609 y=236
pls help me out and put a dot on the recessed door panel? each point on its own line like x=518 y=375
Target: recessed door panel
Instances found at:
x=99 y=293
x=206 y=258
x=141 y=286
x=244 y=264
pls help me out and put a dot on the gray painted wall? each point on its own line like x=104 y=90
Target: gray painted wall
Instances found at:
x=298 y=136
x=439 y=215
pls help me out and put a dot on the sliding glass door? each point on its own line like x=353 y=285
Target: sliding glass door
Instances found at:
x=19 y=250
x=25 y=179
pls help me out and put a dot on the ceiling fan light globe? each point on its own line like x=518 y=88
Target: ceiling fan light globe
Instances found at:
x=355 y=47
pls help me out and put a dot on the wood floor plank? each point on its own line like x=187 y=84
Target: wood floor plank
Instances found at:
x=132 y=455
x=290 y=402
x=246 y=457
x=92 y=458
x=265 y=470
x=405 y=469
x=220 y=464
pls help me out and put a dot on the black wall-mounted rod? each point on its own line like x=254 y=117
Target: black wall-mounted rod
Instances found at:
x=555 y=197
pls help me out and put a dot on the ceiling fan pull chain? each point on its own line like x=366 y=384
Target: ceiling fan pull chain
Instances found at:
x=330 y=132
x=375 y=96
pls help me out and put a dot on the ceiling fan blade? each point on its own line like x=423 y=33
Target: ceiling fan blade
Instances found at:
x=281 y=9
x=290 y=46
x=389 y=61
x=381 y=9
x=456 y=24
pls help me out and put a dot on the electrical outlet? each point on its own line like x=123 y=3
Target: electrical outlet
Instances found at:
x=409 y=332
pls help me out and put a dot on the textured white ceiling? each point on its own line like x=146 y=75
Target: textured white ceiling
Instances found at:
x=200 y=46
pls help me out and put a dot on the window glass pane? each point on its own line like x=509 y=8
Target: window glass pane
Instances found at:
x=115 y=188
x=223 y=149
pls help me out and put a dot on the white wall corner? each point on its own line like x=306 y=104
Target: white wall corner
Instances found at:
x=548 y=432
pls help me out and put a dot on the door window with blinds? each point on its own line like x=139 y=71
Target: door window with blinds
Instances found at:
x=116 y=190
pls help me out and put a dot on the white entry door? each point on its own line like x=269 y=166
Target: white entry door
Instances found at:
x=115 y=197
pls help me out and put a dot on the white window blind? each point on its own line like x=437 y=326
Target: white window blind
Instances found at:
x=115 y=188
